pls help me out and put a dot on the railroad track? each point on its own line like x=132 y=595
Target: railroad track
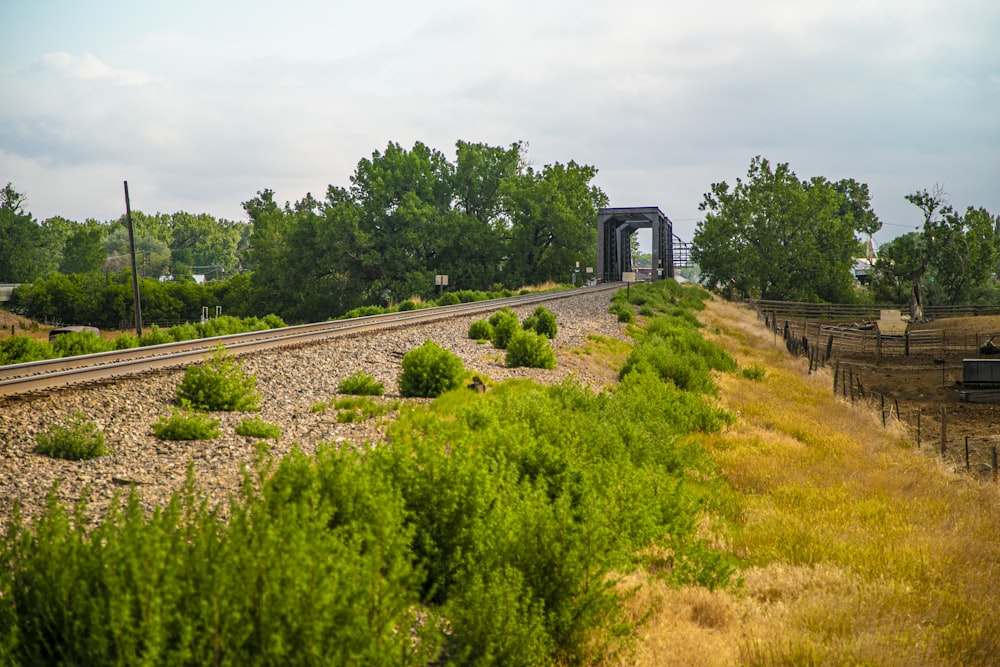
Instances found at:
x=53 y=373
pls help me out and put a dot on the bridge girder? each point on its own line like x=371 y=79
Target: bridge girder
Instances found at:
x=615 y=227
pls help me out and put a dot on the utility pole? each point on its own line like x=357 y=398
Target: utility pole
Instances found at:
x=135 y=275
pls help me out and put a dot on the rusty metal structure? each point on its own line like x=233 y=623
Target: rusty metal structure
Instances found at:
x=615 y=227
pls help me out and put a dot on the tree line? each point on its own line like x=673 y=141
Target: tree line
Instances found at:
x=774 y=236
x=488 y=220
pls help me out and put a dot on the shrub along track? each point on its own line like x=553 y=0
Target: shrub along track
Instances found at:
x=51 y=373
x=294 y=380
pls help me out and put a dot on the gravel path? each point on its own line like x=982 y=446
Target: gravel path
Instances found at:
x=291 y=382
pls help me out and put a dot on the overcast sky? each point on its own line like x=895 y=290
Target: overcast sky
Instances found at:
x=200 y=104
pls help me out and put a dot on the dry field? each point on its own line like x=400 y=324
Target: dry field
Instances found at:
x=930 y=384
x=855 y=547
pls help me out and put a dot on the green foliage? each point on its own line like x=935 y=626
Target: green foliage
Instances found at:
x=77 y=440
x=361 y=408
x=542 y=321
x=219 y=384
x=951 y=260
x=622 y=310
x=124 y=341
x=313 y=569
x=186 y=426
x=753 y=372
x=672 y=347
x=25 y=246
x=22 y=349
x=361 y=384
x=773 y=236
x=155 y=336
x=258 y=428
x=531 y=350
x=481 y=330
x=449 y=299
x=76 y=343
x=430 y=371
x=490 y=528
x=364 y=311
x=505 y=324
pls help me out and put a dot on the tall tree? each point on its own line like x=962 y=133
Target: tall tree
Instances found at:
x=83 y=250
x=776 y=237
x=27 y=250
x=953 y=256
x=553 y=222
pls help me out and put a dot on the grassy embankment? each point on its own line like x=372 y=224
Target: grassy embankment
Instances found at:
x=856 y=548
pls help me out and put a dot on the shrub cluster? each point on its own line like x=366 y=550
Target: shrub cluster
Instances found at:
x=429 y=371
x=77 y=440
x=20 y=349
x=489 y=529
x=258 y=428
x=182 y=425
x=481 y=330
x=542 y=321
x=361 y=384
x=505 y=324
x=672 y=347
x=530 y=350
x=218 y=384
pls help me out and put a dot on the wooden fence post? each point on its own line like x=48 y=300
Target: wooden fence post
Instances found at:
x=944 y=432
x=918 y=428
x=966 y=453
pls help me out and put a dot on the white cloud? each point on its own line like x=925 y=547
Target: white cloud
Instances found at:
x=89 y=66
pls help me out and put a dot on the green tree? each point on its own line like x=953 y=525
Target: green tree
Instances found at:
x=152 y=254
x=553 y=222
x=84 y=250
x=207 y=245
x=27 y=250
x=953 y=257
x=776 y=237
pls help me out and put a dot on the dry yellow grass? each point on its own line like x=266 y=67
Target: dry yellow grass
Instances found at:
x=856 y=548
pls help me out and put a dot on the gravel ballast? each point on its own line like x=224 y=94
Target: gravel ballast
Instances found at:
x=291 y=382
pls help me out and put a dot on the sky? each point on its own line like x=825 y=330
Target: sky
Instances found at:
x=201 y=104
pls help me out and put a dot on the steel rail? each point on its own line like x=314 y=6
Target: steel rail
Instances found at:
x=52 y=373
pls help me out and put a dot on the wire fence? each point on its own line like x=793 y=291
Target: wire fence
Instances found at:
x=929 y=428
x=821 y=343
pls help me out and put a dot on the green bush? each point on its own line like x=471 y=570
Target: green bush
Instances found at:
x=219 y=384
x=22 y=349
x=182 y=332
x=77 y=440
x=505 y=324
x=76 y=343
x=258 y=428
x=155 y=336
x=124 y=341
x=430 y=371
x=481 y=330
x=186 y=426
x=542 y=321
x=361 y=384
x=531 y=350
x=754 y=372
x=363 y=311
x=449 y=299
x=407 y=305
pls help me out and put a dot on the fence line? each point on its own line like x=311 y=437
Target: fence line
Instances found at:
x=854 y=311
x=973 y=454
x=867 y=339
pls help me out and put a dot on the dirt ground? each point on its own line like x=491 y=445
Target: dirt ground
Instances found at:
x=929 y=383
